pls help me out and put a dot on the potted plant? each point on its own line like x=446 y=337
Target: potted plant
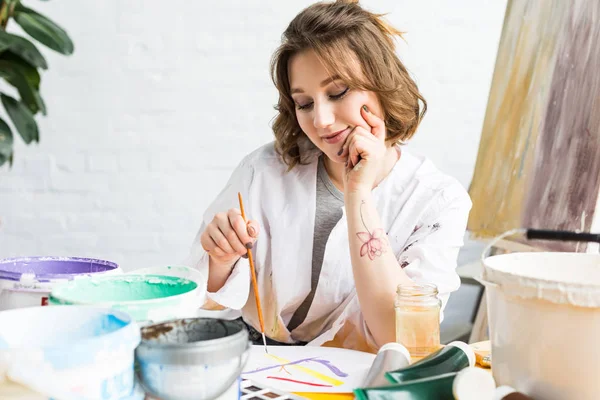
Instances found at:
x=20 y=65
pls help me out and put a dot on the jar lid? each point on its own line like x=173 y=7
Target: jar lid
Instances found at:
x=417 y=289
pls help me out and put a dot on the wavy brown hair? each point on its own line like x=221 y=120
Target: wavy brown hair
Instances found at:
x=342 y=33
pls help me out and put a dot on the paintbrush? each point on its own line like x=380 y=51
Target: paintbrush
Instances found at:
x=565 y=236
x=254 y=284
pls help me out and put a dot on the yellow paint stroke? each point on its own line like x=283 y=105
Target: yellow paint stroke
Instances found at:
x=308 y=371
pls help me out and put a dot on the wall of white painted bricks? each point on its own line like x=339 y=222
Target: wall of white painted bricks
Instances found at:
x=162 y=99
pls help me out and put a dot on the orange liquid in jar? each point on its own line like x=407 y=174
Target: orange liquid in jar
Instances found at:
x=418 y=329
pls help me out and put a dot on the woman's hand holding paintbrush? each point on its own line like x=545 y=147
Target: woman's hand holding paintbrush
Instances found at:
x=227 y=238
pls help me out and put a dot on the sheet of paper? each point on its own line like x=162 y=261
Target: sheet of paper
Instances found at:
x=308 y=368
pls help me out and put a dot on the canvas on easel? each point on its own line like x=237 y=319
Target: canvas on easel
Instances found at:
x=538 y=164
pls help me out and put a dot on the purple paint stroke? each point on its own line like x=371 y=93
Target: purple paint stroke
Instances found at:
x=325 y=363
x=332 y=367
x=278 y=366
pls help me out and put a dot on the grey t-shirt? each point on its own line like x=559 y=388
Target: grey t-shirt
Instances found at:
x=328 y=212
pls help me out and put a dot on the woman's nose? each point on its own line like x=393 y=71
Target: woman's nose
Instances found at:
x=323 y=116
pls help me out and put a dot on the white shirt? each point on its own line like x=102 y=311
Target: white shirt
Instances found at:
x=423 y=211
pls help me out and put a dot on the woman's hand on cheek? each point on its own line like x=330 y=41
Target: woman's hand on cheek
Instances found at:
x=365 y=151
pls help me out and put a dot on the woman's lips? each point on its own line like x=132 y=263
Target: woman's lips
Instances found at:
x=341 y=135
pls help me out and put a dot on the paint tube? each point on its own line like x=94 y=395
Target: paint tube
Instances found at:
x=469 y=384
x=509 y=393
x=435 y=387
x=390 y=357
x=453 y=357
x=474 y=383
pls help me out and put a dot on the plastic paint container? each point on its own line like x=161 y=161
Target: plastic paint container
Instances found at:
x=544 y=314
x=28 y=281
x=70 y=352
x=144 y=297
x=196 y=358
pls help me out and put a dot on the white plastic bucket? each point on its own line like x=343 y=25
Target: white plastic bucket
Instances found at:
x=544 y=320
x=69 y=353
x=147 y=298
x=28 y=281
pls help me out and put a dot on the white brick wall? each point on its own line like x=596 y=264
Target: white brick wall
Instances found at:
x=161 y=100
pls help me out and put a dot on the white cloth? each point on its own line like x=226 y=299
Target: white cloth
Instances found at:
x=423 y=211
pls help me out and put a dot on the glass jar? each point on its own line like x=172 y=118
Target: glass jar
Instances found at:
x=418 y=318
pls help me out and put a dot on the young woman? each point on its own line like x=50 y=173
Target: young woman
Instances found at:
x=339 y=212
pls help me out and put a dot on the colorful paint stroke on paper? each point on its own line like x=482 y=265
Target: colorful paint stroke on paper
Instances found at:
x=308 y=368
x=538 y=164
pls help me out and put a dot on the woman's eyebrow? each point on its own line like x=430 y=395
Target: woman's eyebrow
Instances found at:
x=329 y=80
x=325 y=82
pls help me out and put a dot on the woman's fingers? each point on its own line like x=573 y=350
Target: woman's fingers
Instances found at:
x=357 y=130
x=240 y=228
x=377 y=124
x=209 y=245
x=356 y=150
x=253 y=229
x=358 y=145
x=228 y=235
x=344 y=149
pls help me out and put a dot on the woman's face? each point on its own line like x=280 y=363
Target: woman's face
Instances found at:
x=326 y=109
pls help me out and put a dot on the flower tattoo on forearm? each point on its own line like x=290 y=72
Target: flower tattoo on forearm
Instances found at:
x=372 y=241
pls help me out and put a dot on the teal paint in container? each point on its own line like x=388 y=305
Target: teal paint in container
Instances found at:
x=147 y=298
x=77 y=352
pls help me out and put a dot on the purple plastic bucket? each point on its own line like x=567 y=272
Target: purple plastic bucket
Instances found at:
x=27 y=281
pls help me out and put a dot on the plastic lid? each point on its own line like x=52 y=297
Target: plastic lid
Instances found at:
x=561 y=278
x=468 y=350
x=473 y=384
x=396 y=347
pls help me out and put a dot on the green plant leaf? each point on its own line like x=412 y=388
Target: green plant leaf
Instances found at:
x=43 y=30
x=30 y=72
x=23 y=48
x=24 y=78
x=6 y=143
x=33 y=78
x=22 y=118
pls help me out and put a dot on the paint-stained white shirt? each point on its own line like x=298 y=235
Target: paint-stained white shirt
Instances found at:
x=423 y=211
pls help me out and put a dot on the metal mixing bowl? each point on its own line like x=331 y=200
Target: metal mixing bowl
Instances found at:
x=194 y=358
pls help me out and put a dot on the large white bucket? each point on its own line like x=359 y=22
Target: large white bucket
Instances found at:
x=544 y=319
x=70 y=353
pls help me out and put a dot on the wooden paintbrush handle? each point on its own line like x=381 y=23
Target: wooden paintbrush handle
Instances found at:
x=253 y=273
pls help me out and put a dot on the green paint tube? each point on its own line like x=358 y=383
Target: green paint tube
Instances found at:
x=452 y=358
x=436 y=387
